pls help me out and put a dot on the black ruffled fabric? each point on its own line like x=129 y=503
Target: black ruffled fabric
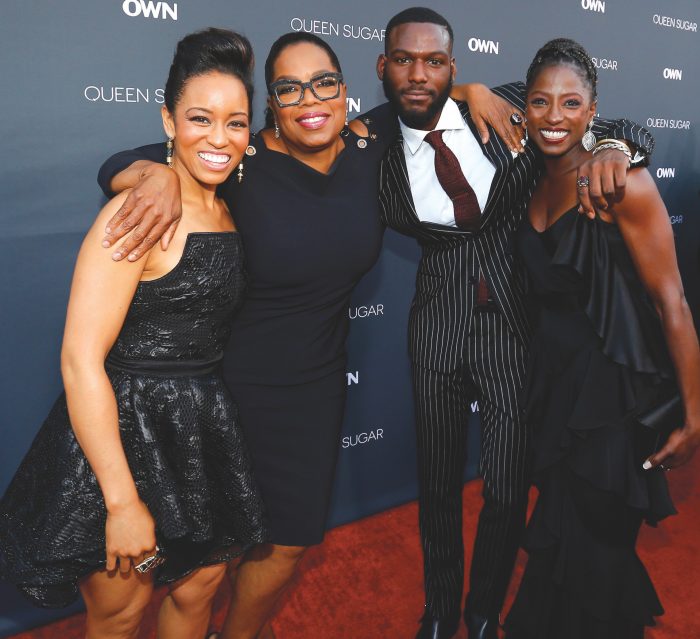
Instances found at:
x=179 y=431
x=600 y=397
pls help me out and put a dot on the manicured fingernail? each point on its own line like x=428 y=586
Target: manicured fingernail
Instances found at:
x=116 y=256
x=105 y=243
x=132 y=257
x=646 y=465
x=108 y=230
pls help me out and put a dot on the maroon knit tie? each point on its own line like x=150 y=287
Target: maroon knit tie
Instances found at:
x=466 y=206
x=452 y=180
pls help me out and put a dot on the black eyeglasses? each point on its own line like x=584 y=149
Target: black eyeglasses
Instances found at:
x=291 y=92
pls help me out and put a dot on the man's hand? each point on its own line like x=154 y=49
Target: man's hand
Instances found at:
x=150 y=213
x=487 y=108
x=607 y=176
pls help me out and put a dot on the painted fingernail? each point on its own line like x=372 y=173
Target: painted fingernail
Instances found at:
x=646 y=465
x=108 y=230
x=132 y=257
x=105 y=243
x=116 y=256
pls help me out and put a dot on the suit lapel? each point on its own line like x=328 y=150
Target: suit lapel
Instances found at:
x=398 y=164
x=498 y=154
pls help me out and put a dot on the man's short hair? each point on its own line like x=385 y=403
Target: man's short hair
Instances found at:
x=417 y=14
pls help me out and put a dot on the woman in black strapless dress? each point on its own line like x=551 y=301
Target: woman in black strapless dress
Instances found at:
x=614 y=360
x=144 y=446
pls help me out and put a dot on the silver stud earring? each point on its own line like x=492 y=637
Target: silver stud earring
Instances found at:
x=169 y=152
x=588 y=140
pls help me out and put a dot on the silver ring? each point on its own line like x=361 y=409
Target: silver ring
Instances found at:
x=150 y=562
x=516 y=119
x=583 y=181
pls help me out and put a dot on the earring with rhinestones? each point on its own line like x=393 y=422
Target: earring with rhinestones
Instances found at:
x=249 y=151
x=169 y=152
x=277 y=131
x=588 y=140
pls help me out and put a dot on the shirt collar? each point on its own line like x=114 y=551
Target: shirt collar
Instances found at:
x=450 y=119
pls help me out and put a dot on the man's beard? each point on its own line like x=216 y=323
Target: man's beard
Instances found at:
x=414 y=118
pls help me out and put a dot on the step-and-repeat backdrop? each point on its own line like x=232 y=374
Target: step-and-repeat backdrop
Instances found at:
x=82 y=79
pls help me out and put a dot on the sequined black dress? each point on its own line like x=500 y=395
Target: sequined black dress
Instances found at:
x=179 y=431
x=599 y=395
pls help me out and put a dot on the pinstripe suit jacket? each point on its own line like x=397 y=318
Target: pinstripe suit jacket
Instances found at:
x=451 y=257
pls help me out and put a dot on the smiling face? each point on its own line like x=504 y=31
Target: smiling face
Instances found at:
x=417 y=72
x=313 y=124
x=210 y=126
x=559 y=108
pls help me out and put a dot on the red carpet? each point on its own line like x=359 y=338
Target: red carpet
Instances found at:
x=364 y=582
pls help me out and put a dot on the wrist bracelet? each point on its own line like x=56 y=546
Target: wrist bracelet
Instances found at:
x=613 y=144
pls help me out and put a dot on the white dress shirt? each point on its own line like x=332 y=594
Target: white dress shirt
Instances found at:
x=432 y=203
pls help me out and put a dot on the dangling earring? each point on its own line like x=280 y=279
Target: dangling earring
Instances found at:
x=346 y=117
x=169 y=152
x=525 y=139
x=588 y=140
x=277 y=131
x=250 y=151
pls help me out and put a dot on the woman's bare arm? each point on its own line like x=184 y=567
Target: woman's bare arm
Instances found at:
x=100 y=296
x=646 y=228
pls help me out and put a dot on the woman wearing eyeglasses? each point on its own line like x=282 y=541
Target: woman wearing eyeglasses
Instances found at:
x=310 y=223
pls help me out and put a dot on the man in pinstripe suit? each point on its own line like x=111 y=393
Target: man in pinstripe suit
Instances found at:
x=468 y=328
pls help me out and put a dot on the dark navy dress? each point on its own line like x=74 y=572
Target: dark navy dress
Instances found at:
x=179 y=429
x=309 y=237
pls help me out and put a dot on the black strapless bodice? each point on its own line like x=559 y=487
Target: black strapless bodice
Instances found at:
x=186 y=314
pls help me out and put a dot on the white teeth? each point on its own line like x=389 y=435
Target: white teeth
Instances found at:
x=553 y=135
x=315 y=120
x=214 y=157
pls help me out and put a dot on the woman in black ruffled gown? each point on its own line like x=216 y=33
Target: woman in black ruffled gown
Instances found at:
x=144 y=446
x=614 y=361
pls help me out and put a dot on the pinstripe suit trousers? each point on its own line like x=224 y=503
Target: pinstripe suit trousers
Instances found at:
x=491 y=372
